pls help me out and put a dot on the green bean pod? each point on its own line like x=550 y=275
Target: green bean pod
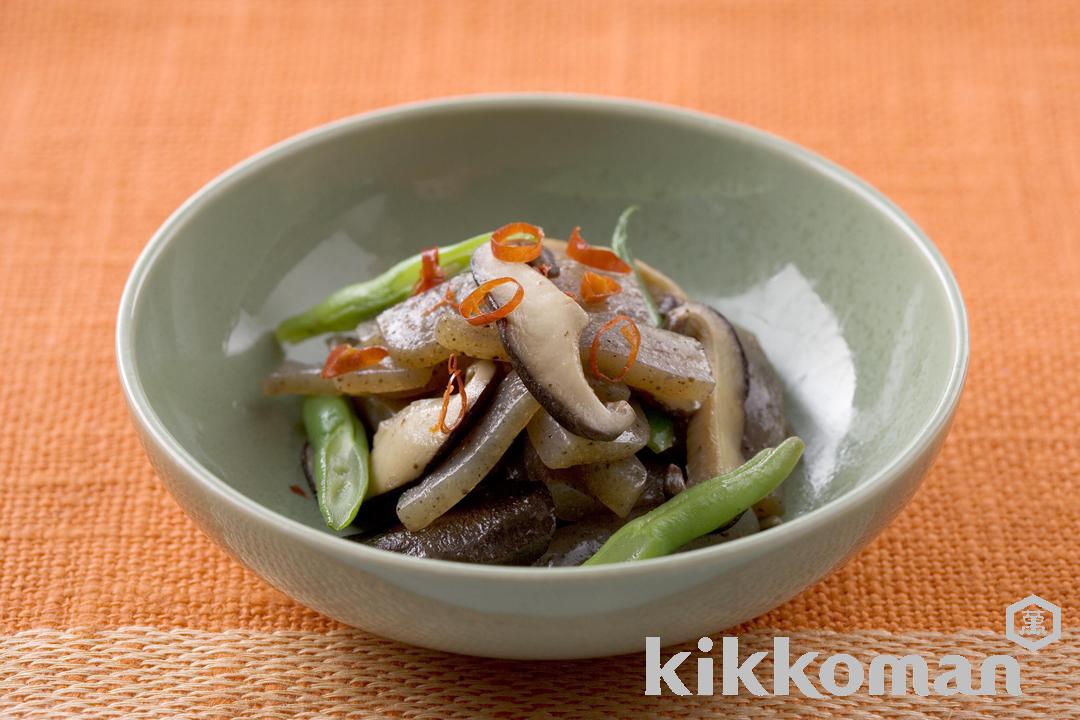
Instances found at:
x=620 y=248
x=701 y=509
x=346 y=308
x=340 y=457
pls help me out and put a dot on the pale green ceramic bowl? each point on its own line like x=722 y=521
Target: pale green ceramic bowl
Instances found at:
x=856 y=308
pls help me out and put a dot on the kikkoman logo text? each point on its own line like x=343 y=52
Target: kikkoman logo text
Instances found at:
x=843 y=674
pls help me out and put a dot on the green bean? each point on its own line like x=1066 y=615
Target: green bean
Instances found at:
x=340 y=457
x=350 y=305
x=661 y=430
x=701 y=509
x=619 y=246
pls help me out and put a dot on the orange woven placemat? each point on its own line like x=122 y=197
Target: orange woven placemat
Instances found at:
x=111 y=113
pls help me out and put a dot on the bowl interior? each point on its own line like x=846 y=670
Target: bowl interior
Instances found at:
x=852 y=310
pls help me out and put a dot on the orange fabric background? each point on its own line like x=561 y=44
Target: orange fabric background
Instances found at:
x=111 y=113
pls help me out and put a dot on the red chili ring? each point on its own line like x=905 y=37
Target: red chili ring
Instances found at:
x=471 y=303
x=507 y=251
x=595 y=288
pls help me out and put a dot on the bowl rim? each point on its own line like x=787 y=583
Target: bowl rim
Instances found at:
x=859 y=496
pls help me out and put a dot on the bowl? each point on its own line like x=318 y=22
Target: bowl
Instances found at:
x=856 y=308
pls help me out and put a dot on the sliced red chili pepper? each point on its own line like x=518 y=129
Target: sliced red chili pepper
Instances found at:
x=430 y=272
x=456 y=377
x=633 y=336
x=471 y=304
x=595 y=288
x=600 y=258
x=346 y=359
x=509 y=245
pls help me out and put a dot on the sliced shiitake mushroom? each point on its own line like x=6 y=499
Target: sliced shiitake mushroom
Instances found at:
x=541 y=337
x=714 y=433
x=766 y=425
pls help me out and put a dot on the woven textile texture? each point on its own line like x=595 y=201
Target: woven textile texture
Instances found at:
x=287 y=674
x=112 y=113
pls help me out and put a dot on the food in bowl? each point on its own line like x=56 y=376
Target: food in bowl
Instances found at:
x=534 y=401
x=872 y=353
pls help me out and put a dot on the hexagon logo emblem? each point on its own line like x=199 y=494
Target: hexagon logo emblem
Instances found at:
x=1033 y=623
